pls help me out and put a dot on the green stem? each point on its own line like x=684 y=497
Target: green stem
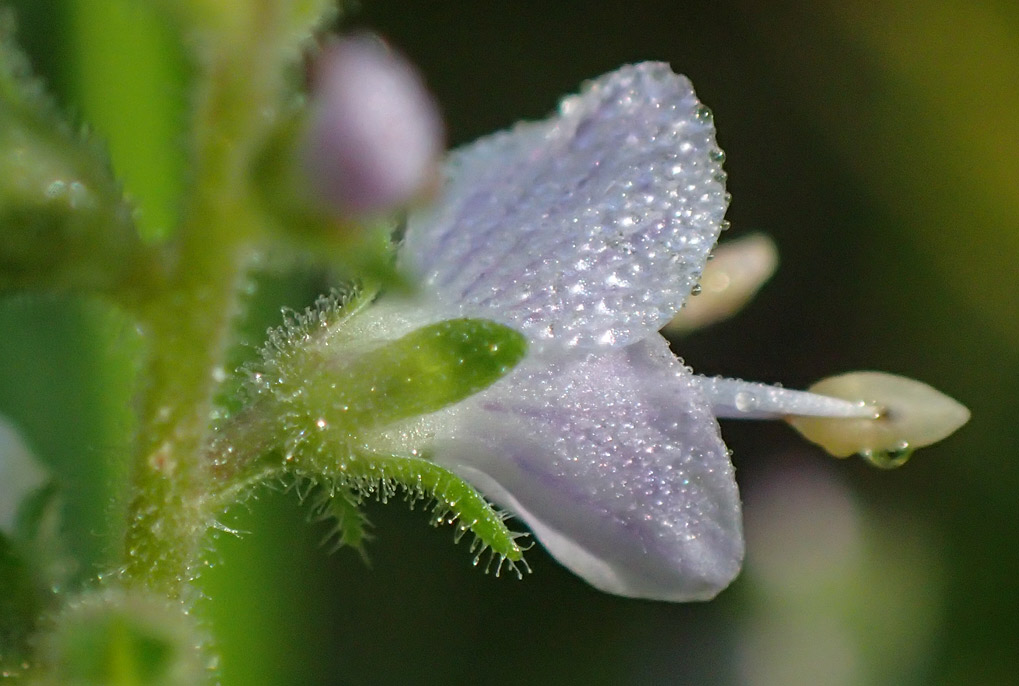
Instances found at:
x=189 y=327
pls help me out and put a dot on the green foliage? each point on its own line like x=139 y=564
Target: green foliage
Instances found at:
x=134 y=105
x=64 y=224
x=122 y=639
x=21 y=602
x=184 y=190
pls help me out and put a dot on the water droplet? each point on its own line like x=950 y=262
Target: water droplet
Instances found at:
x=717 y=155
x=724 y=225
x=745 y=402
x=703 y=114
x=696 y=290
x=888 y=459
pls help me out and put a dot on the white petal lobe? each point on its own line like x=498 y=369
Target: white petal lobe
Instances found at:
x=614 y=461
x=589 y=228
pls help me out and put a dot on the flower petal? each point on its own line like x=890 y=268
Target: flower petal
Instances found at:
x=589 y=228
x=615 y=462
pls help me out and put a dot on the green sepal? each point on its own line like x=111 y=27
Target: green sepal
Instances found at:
x=452 y=500
x=64 y=223
x=422 y=372
x=319 y=399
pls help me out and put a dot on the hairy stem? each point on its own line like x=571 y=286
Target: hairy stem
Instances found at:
x=189 y=327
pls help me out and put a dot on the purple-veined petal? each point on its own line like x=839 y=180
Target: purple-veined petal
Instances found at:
x=589 y=228
x=614 y=461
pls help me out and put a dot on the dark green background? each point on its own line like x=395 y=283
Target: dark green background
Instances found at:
x=876 y=143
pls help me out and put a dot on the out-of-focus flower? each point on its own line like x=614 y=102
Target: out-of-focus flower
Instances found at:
x=20 y=473
x=587 y=232
x=375 y=135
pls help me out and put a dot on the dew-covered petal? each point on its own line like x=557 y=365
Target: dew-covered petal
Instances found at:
x=614 y=461
x=589 y=228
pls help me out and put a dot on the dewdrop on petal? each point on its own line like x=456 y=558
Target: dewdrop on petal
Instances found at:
x=375 y=135
x=909 y=415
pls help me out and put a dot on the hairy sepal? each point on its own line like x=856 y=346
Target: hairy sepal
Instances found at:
x=321 y=398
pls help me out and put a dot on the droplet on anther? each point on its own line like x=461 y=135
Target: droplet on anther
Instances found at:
x=911 y=415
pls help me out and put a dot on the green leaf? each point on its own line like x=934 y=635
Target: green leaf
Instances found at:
x=123 y=638
x=129 y=78
x=64 y=224
x=21 y=601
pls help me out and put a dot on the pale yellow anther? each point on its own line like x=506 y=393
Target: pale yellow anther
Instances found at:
x=910 y=415
x=730 y=279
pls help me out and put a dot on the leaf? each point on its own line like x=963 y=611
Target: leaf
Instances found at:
x=129 y=77
x=124 y=638
x=64 y=223
x=21 y=600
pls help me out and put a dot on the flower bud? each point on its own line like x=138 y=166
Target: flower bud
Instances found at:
x=375 y=135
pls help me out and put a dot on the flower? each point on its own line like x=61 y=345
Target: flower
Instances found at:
x=587 y=232
x=20 y=474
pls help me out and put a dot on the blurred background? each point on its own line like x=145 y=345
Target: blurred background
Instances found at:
x=877 y=144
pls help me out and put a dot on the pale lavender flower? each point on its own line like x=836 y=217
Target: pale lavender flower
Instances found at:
x=587 y=232
x=20 y=473
x=375 y=135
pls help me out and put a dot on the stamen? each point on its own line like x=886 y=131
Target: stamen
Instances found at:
x=882 y=417
x=737 y=399
x=912 y=415
x=728 y=282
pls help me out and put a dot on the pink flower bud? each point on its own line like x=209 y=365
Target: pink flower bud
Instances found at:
x=375 y=133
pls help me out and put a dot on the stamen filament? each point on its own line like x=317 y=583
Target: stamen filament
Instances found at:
x=738 y=399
